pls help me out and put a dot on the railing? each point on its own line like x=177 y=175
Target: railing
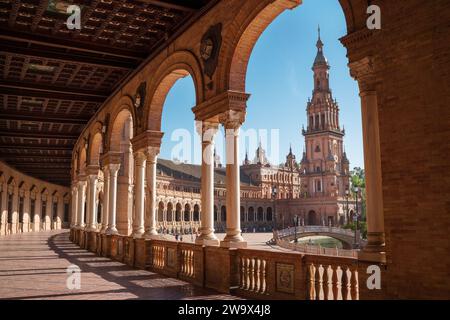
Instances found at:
x=250 y=273
x=187 y=261
x=331 y=279
x=316 y=249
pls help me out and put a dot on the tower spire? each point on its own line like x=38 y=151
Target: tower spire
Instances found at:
x=319 y=44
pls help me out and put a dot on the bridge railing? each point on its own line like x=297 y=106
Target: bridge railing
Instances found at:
x=314 y=229
x=316 y=249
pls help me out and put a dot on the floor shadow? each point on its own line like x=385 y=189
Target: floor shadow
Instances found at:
x=143 y=285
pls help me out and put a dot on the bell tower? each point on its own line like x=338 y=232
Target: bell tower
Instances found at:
x=323 y=163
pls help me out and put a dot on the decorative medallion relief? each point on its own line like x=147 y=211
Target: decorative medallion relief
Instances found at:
x=285 y=277
x=209 y=50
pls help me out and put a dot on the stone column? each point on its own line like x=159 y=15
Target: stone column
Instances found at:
x=37 y=212
x=363 y=71
x=81 y=199
x=113 y=171
x=4 y=208
x=139 y=172
x=91 y=200
x=26 y=211
x=74 y=199
x=207 y=130
x=105 y=211
x=15 y=210
x=232 y=121
x=151 y=209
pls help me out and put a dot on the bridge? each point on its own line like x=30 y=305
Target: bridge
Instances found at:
x=346 y=236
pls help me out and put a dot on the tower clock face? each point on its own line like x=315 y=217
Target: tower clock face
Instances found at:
x=336 y=158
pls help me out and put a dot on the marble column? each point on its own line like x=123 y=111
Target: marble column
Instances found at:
x=363 y=71
x=139 y=172
x=4 y=208
x=26 y=211
x=92 y=200
x=232 y=121
x=81 y=199
x=207 y=130
x=113 y=172
x=151 y=210
x=74 y=200
x=105 y=211
x=37 y=213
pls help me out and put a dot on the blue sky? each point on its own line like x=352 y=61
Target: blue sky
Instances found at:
x=279 y=78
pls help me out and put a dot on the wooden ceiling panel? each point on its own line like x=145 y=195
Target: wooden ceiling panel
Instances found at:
x=52 y=80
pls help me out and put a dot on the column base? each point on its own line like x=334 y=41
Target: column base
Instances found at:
x=233 y=244
x=111 y=231
x=91 y=229
x=208 y=242
x=138 y=235
x=153 y=236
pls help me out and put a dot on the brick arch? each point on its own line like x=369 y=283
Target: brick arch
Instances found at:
x=178 y=65
x=117 y=123
x=96 y=145
x=82 y=160
x=252 y=20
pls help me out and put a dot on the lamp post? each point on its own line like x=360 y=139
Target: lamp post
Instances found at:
x=347 y=193
x=274 y=198
x=356 y=217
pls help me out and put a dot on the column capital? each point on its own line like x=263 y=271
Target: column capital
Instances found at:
x=228 y=100
x=232 y=119
x=113 y=167
x=92 y=170
x=147 y=139
x=140 y=157
x=81 y=179
x=111 y=158
x=207 y=130
x=151 y=153
x=363 y=71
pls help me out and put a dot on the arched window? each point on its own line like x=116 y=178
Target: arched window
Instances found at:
x=251 y=214
x=196 y=212
x=260 y=214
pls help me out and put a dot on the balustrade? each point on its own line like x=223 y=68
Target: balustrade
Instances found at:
x=250 y=273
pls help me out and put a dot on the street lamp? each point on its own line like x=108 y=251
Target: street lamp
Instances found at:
x=356 y=217
x=347 y=194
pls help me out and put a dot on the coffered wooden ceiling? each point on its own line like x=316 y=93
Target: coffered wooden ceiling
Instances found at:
x=52 y=79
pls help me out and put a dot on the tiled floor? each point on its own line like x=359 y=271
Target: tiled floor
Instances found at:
x=34 y=266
